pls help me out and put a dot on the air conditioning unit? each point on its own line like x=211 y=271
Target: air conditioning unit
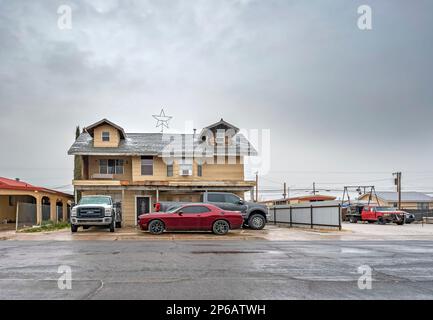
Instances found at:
x=186 y=172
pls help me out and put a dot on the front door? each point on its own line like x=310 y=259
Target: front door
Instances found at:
x=142 y=205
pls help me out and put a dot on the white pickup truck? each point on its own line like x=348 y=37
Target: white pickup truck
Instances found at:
x=96 y=211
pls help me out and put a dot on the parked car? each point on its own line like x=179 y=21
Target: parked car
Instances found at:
x=191 y=217
x=378 y=214
x=255 y=215
x=96 y=211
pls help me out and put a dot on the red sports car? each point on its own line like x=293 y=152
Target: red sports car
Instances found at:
x=192 y=217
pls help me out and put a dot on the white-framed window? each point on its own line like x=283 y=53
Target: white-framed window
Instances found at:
x=105 y=136
x=111 y=166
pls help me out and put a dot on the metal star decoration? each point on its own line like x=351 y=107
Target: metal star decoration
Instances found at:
x=162 y=120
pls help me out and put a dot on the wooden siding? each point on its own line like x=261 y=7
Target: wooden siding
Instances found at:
x=114 y=137
x=210 y=172
x=93 y=166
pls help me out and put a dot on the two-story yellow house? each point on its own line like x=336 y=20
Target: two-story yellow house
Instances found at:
x=140 y=169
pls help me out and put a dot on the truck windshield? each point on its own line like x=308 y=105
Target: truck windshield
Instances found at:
x=95 y=200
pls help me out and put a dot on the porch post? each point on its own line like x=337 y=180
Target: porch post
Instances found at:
x=157 y=194
x=64 y=210
x=38 y=209
x=53 y=211
x=122 y=205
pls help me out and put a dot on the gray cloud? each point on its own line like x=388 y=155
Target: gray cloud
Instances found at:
x=335 y=98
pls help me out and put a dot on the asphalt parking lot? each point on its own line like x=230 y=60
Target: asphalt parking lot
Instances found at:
x=327 y=269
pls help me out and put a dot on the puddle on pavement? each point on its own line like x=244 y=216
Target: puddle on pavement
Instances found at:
x=233 y=252
x=225 y=252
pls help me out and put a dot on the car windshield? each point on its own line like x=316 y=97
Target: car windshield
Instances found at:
x=385 y=209
x=95 y=200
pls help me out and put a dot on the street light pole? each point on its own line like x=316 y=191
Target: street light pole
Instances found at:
x=397 y=182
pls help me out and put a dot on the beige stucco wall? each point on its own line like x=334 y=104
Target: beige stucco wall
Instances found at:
x=114 y=136
x=6 y=211
x=24 y=196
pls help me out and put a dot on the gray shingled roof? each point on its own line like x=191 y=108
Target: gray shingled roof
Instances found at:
x=391 y=196
x=154 y=144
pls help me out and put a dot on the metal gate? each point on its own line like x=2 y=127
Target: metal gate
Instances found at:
x=313 y=215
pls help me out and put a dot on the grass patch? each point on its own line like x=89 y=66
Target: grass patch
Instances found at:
x=47 y=226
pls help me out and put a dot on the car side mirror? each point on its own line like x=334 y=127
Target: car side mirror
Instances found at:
x=180 y=213
x=241 y=201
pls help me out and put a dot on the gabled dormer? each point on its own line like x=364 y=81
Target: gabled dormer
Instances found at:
x=105 y=134
x=219 y=132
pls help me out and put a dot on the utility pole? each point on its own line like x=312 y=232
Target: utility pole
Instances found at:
x=285 y=191
x=257 y=186
x=397 y=182
x=314 y=188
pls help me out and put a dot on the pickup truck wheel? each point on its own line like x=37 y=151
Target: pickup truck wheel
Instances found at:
x=112 y=226
x=74 y=228
x=220 y=227
x=156 y=227
x=256 y=222
x=380 y=220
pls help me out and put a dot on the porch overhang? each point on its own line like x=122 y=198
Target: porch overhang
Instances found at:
x=173 y=186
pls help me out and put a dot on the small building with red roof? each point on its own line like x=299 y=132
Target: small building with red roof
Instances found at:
x=299 y=199
x=47 y=204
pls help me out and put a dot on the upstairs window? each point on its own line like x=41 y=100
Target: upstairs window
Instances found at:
x=111 y=166
x=169 y=170
x=147 y=166
x=105 y=136
x=200 y=170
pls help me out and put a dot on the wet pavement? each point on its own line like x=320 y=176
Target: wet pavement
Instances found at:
x=216 y=269
x=274 y=263
x=271 y=233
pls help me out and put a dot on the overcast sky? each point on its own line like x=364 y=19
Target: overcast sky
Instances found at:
x=343 y=106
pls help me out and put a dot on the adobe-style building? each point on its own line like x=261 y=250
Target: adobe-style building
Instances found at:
x=299 y=199
x=140 y=169
x=46 y=204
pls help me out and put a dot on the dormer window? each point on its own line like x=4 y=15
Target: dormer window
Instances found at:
x=105 y=136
